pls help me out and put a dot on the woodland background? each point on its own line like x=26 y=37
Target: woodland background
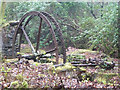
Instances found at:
x=85 y=25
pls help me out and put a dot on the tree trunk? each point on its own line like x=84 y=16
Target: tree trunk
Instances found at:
x=2 y=11
x=119 y=37
x=119 y=30
x=91 y=9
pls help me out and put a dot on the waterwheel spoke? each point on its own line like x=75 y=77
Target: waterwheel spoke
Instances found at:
x=38 y=38
x=28 y=40
x=28 y=20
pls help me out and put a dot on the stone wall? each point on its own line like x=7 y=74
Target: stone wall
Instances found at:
x=8 y=30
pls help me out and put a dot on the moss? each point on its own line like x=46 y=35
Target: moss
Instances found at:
x=82 y=69
x=108 y=74
x=42 y=51
x=59 y=68
x=54 y=60
x=67 y=66
x=10 y=60
x=97 y=67
x=74 y=57
x=26 y=50
x=80 y=51
x=100 y=79
x=105 y=77
x=5 y=24
x=36 y=63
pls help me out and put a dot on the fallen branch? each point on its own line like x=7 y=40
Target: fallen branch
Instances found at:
x=58 y=65
x=84 y=65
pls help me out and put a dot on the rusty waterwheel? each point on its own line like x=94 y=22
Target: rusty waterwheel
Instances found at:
x=54 y=31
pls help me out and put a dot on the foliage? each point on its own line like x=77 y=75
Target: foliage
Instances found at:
x=24 y=84
x=82 y=30
x=84 y=25
x=106 y=38
x=105 y=77
x=14 y=84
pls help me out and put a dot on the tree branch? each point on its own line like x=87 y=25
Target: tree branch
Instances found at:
x=92 y=10
x=71 y=26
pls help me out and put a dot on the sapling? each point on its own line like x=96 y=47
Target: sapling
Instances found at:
x=5 y=72
x=83 y=77
x=14 y=84
x=24 y=84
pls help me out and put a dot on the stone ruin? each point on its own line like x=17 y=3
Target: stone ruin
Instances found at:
x=7 y=33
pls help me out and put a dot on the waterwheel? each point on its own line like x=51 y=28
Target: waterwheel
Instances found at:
x=53 y=32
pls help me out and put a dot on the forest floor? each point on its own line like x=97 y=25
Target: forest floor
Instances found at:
x=24 y=74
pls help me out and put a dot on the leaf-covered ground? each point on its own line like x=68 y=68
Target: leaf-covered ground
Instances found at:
x=24 y=74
